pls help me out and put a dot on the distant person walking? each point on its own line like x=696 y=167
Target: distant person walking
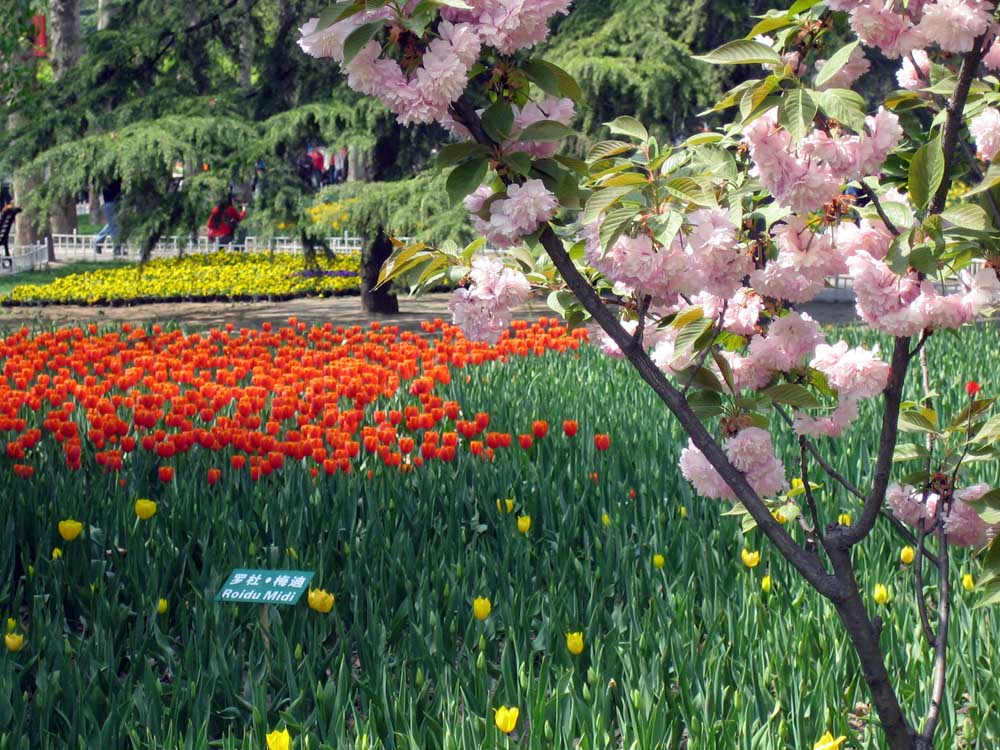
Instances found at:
x=111 y=193
x=224 y=221
x=318 y=160
x=342 y=172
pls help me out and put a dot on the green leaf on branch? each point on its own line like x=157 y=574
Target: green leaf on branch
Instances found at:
x=967 y=216
x=358 y=39
x=836 y=63
x=844 y=106
x=914 y=421
x=689 y=335
x=990 y=180
x=497 y=120
x=629 y=126
x=989 y=431
x=705 y=404
x=615 y=222
x=453 y=153
x=976 y=410
x=926 y=173
x=665 y=227
x=796 y=112
x=909 y=452
x=741 y=52
x=465 y=178
x=552 y=79
x=545 y=130
x=607 y=149
x=601 y=200
x=771 y=21
x=791 y=394
x=987 y=506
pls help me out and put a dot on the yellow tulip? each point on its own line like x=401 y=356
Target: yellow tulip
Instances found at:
x=56 y=553
x=907 y=555
x=574 y=643
x=765 y=584
x=684 y=512
x=279 y=740
x=968 y=582
x=481 y=607
x=509 y=502
x=523 y=524
x=506 y=718
x=881 y=594
x=321 y=601
x=658 y=560
x=145 y=509
x=162 y=606
x=606 y=520
x=14 y=642
x=844 y=519
x=750 y=559
x=827 y=742
x=70 y=529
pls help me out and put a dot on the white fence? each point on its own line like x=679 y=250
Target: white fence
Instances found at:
x=69 y=247
x=29 y=258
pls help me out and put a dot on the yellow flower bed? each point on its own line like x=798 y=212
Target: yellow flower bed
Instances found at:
x=329 y=217
x=220 y=275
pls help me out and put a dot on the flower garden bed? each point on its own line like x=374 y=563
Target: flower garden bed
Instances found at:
x=219 y=276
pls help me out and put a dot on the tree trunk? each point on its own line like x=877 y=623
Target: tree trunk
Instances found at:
x=247 y=44
x=25 y=229
x=64 y=25
x=65 y=49
x=359 y=164
x=103 y=14
x=374 y=254
x=94 y=205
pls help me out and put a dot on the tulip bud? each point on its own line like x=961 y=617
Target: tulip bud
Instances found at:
x=481 y=661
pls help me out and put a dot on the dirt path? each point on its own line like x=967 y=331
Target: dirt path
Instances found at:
x=345 y=311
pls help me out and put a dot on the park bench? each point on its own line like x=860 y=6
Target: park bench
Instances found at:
x=6 y=226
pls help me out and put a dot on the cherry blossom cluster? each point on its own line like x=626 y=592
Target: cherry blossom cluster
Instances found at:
x=898 y=29
x=436 y=72
x=962 y=524
x=751 y=451
x=705 y=258
x=483 y=310
x=526 y=207
x=806 y=175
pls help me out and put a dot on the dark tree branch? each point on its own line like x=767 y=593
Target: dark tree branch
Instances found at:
x=953 y=124
x=845 y=537
x=918 y=580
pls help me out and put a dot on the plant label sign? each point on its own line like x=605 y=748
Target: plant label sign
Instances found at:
x=265 y=586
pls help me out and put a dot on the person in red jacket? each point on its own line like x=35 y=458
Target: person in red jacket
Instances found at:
x=224 y=220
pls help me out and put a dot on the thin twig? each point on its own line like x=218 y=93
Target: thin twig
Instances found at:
x=643 y=309
x=810 y=500
x=703 y=355
x=941 y=642
x=918 y=580
x=878 y=208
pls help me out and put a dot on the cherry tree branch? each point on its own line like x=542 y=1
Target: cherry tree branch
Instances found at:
x=940 y=643
x=918 y=580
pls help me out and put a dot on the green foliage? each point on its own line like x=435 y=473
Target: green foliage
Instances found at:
x=417 y=207
x=634 y=57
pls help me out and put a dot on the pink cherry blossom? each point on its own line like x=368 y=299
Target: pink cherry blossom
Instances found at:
x=992 y=57
x=878 y=25
x=914 y=78
x=907 y=504
x=831 y=426
x=985 y=129
x=509 y=25
x=954 y=24
x=883 y=299
x=789 y=341
x=854 y=372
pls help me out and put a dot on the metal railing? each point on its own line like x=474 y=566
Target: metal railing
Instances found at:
x=25 y=258
x=69 y=247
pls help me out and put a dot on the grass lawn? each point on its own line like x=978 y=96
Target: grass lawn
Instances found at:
x=7 y=283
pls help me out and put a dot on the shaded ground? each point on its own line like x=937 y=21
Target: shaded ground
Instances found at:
x=345 y=311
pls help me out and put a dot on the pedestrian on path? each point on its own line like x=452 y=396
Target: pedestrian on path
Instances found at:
x=112 y=191
x=224 y=221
